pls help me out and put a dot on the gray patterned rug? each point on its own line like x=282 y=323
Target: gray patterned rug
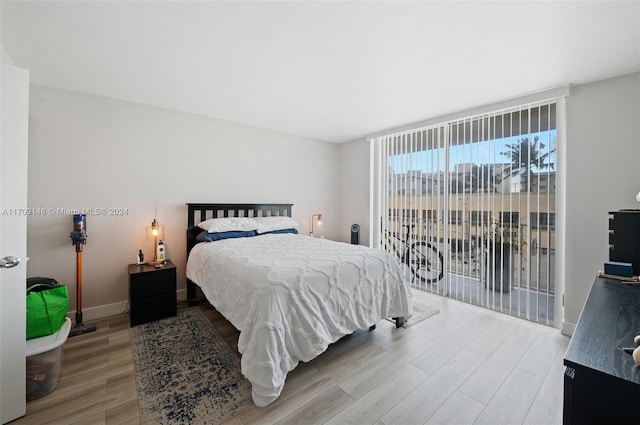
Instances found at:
x=186 y=373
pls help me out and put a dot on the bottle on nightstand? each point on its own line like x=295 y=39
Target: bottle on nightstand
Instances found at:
x=160 y=254
x=140 y=257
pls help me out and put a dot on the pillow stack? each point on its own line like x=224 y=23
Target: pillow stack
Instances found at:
x=216 y=229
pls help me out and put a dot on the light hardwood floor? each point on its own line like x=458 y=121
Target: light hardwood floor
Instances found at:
x=465 y=365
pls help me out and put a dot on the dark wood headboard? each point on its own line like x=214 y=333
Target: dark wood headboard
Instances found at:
x=201 y=212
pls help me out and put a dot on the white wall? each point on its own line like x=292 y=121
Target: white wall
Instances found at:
x=603 y=157
x=603 y=174
x=354 y=190
x=5 y=58
x=93 y=152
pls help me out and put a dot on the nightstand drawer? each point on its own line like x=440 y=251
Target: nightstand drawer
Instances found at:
x=148 y=309
x=156 y=283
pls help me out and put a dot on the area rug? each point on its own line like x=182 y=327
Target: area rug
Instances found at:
x=420 y=312
x=186 y=373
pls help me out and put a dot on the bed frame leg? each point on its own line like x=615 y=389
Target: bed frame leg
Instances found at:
x=399 y=321
x=191 y=294
x=372 y=327
x=191 y=289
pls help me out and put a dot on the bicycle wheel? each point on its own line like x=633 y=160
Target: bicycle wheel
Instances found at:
x=426 y=262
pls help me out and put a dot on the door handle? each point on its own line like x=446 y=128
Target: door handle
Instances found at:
x=9 y=261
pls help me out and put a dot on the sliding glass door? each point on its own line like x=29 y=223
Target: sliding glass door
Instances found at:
x=468 y=207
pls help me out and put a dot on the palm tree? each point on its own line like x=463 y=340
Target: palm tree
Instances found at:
x=525 y=156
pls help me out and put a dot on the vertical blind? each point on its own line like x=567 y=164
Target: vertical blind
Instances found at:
x=474 y=197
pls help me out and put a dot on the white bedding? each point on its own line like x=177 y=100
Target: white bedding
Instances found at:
x=293 y=295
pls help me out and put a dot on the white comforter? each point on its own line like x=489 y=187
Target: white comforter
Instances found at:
x=292 y=295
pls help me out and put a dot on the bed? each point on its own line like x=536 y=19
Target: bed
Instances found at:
x=289 y=295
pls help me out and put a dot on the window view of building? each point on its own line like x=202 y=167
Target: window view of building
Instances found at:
x=481 y=191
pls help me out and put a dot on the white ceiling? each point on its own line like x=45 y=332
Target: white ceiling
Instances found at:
x=333 y=71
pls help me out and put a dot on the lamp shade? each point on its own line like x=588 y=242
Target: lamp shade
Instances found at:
x=154 y=231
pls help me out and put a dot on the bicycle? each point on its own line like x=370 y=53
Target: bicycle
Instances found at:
x=423 y=259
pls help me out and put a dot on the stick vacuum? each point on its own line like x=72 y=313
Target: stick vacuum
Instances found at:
x=79 y=238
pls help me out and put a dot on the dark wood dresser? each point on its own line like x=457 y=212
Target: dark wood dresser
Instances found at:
x=602 y=382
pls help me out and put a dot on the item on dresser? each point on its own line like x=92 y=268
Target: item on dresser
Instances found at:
x=617 y=268
x=632 y=279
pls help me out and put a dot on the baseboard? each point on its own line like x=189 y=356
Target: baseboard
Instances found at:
x=181 y=294
x=567 y=328
x=102 y=311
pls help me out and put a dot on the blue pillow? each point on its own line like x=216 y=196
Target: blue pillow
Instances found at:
x=275 y=232
x=205 y=236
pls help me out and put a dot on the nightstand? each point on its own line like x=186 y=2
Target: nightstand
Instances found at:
x=152 y=292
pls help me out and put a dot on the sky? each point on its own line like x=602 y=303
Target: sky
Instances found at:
x=484 y=152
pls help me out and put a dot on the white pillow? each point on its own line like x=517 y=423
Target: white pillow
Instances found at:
x=228 y=224
x=270 y=224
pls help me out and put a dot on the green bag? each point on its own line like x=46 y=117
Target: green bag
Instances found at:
x=47 y=306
